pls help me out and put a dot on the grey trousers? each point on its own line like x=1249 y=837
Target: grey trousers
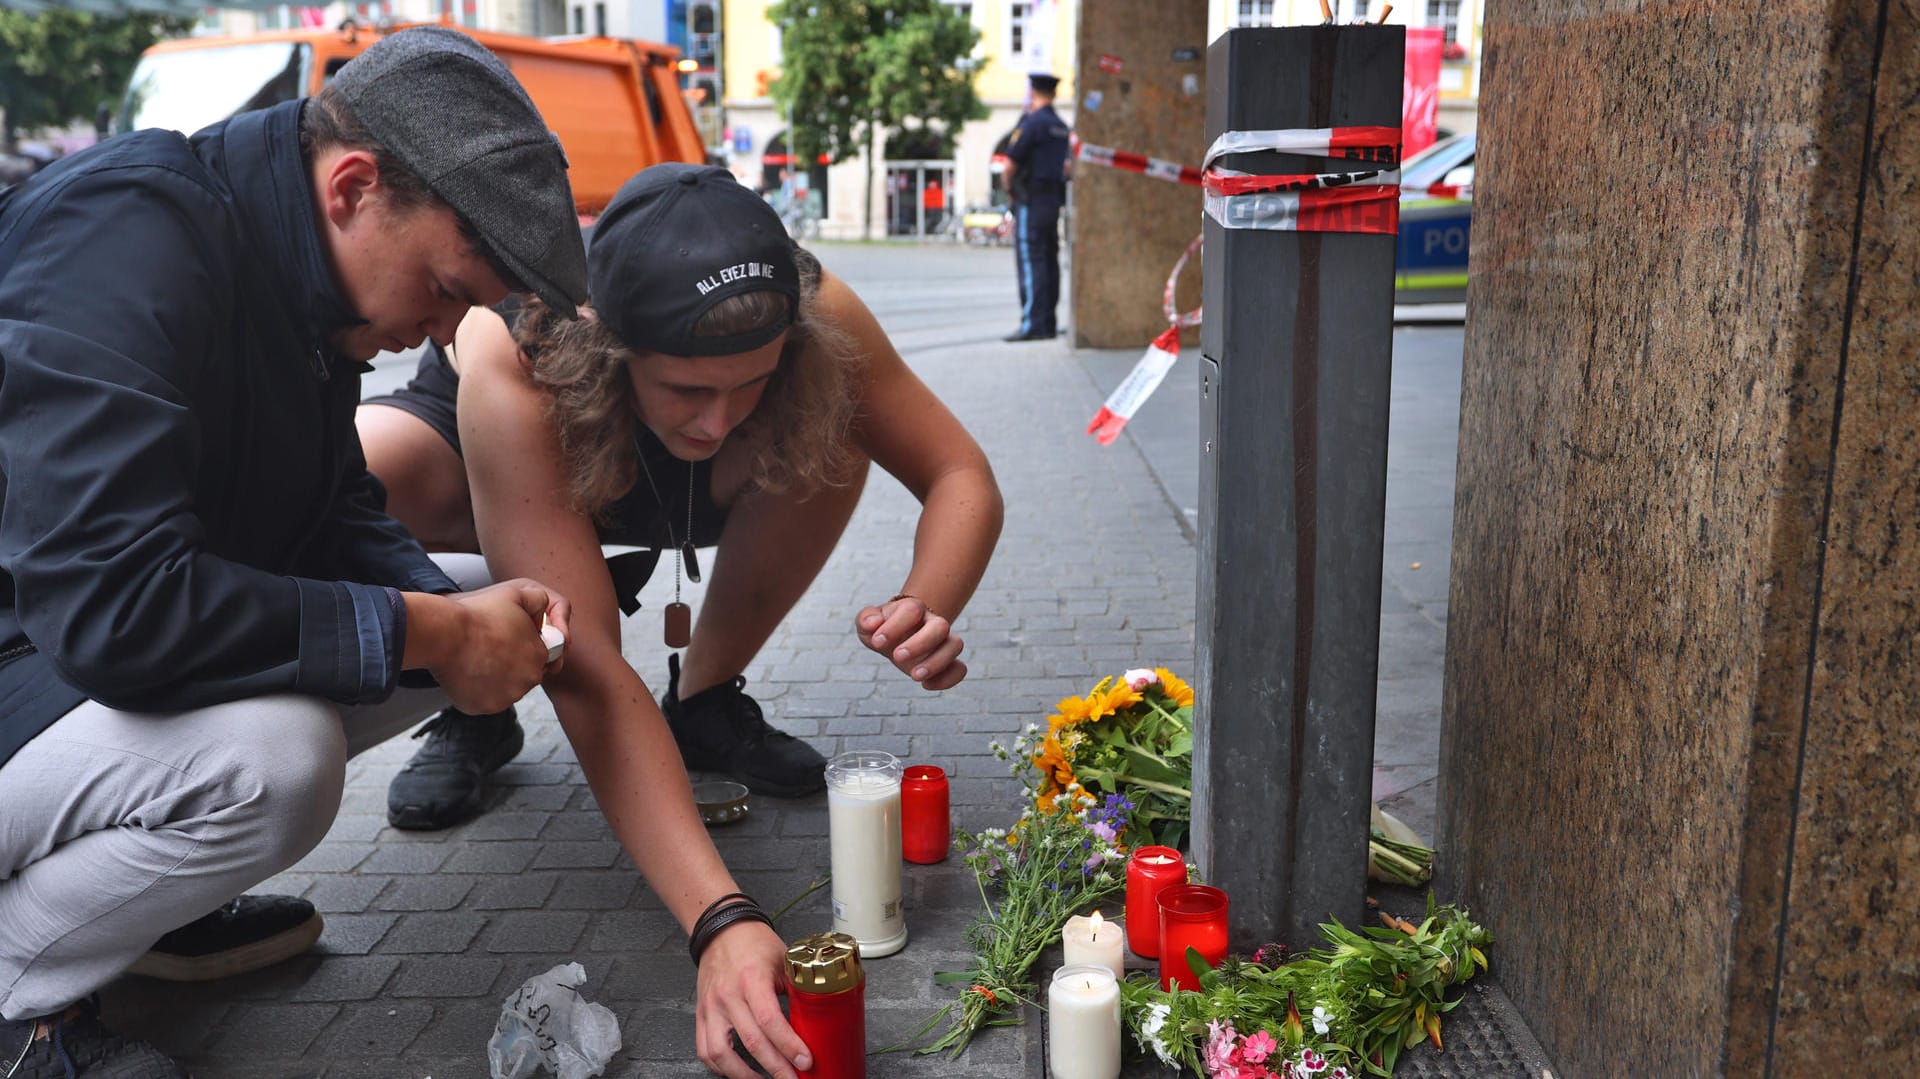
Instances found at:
x=117 y=827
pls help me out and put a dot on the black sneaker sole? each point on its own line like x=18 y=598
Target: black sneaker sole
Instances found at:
x=262 y=953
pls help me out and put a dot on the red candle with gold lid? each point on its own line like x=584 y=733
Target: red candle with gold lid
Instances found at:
x=827 y=1004
x=1150 y=871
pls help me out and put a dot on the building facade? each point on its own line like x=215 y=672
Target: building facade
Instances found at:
x=1017 y=37
x=1459 y=19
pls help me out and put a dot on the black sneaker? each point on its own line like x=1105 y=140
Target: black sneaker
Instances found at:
x=75 y=1043
x=248 y=933
x=443 y=783
x=721 y=730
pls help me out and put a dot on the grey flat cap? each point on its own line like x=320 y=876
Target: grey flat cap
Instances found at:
x=456 y=116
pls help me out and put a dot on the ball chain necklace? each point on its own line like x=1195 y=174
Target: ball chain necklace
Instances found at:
x=679 y=616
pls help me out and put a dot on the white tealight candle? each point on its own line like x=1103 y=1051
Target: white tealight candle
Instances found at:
x=555 y=641
x=1083 y=1023
x=1097 y=941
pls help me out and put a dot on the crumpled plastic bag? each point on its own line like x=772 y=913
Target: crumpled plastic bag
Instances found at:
x=546 y=1022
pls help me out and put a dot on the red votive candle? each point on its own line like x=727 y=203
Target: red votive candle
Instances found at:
x=926 y=827
x=826 y=1004
x=1150 y=871
x=1191 y=916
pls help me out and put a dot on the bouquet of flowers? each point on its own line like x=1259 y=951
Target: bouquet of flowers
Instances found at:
x=1333 y=1013
x=1047 y=867
x=1130 y=736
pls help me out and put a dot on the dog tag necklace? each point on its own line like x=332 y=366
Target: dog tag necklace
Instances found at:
x=679 y=616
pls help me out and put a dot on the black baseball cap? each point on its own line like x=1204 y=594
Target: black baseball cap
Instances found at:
x=674 y=242
x=453 y=113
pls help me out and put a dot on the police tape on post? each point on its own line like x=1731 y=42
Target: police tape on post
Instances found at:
x=1365 y=201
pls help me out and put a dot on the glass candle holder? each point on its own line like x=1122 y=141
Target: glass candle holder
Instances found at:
x=1191 y=916
x=863 y=838
x=926 y=823
x=1083 y=1023
x=1150 y=871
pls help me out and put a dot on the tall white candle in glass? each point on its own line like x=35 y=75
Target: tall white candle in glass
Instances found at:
x=1095 y=940
x=863 y=830
x=1083 y=1023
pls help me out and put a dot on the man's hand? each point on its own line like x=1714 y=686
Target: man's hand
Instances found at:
x=920 y=643
x=484 y=648
x=737 y=993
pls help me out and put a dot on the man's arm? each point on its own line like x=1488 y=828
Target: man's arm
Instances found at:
x=110 y=311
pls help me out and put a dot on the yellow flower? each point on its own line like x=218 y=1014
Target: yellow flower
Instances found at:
x=1075 y=710
x=1053 y=763
x=1122 y=696
x=1180 y=693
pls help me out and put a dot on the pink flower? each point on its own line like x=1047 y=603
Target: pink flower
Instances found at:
x=1257 y=1046
x=1313 y=1062
x=1140 y=678
x=1220 y=1050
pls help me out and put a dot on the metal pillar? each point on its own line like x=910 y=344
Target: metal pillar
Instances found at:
x=1297 y=354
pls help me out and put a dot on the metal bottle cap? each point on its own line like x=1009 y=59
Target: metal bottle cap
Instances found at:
x=824 y=963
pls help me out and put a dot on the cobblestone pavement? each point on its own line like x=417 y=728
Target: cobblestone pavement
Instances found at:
x=428 y=933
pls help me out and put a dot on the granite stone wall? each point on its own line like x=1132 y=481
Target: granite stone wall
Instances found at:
x=1680 y=771
x=1129 y=229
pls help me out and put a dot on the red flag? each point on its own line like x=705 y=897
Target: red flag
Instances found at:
x=1420 y=105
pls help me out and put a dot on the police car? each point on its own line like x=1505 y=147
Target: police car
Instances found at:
x=1436 y=217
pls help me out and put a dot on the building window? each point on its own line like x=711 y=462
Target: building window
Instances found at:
x=1359 y=9
x=1446 y=15
x=1019 y=28
x=1253 y=13
x=962 y=8
x=600 y=19
x=580 y=19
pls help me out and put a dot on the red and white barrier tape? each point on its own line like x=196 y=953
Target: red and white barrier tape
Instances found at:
x=1300 y=203
x=1131 y=162
x=1365 y=201
x=1146 y=375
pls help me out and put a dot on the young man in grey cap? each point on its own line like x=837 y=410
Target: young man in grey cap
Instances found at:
x=204 y=610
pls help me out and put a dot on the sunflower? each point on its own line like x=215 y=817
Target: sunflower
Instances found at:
x=1180 y=693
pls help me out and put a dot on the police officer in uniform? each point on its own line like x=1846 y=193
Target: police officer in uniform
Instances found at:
x=1038 y=152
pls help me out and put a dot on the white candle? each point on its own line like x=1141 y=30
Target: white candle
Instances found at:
x=555 y=640
x=1097 y=941
x=863 y=831
x=1083 y=1024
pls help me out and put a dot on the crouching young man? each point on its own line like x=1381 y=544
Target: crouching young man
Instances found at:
x=204 y=609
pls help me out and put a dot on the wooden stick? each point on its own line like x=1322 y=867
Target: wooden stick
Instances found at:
x=1385 y=11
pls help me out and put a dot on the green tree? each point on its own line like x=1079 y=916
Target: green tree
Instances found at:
x=58 y=66
x=855 y=71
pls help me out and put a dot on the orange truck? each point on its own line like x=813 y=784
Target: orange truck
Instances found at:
x=615 y=103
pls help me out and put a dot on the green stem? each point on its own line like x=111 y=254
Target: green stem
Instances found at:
x=811 y=888
x=1164 y=788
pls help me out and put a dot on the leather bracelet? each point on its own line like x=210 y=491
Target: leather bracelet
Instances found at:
x=731 y=899
x=739 y=912
x=916 y=599
x=717 y=904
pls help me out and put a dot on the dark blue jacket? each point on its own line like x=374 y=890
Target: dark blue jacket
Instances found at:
x=185 y=514
x=1038 y=151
